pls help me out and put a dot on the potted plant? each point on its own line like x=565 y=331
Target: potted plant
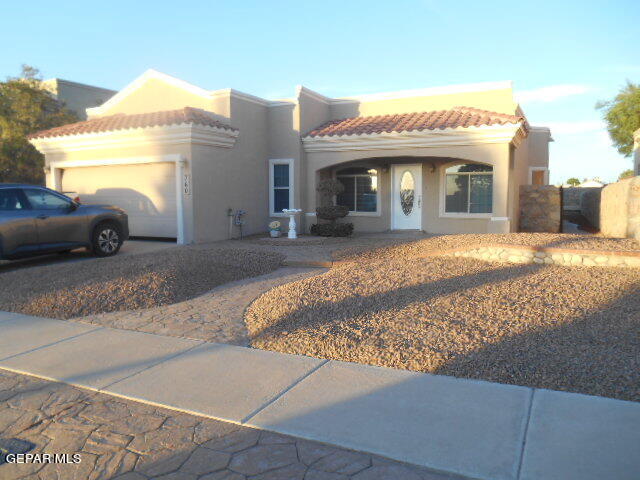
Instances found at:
x=274 y=229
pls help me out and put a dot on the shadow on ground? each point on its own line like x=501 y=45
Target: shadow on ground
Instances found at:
x=564 y=328
x=597 y=354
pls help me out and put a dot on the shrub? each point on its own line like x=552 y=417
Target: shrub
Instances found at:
x=328 y=189
x=332 y=229
x=332 y=212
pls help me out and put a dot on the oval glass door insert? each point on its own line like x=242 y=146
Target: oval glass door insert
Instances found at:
x=407 y=192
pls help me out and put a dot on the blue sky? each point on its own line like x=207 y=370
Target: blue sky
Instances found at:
x=562 y=56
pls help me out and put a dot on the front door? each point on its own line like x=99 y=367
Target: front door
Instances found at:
x=406 y=197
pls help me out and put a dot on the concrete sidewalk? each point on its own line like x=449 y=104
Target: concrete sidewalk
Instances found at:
x=478 y=429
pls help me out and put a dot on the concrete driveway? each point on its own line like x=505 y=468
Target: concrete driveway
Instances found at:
x=130 y=247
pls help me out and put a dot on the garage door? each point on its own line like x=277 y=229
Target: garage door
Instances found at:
x=147 y=192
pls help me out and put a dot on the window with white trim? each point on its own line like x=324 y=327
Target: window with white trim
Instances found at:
x=360 y=189
x=280 y=185
x=468 y=189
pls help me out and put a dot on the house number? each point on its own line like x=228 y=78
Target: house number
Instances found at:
x=187 y=185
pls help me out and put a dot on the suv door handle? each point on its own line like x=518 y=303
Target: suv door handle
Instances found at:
x=42 y=217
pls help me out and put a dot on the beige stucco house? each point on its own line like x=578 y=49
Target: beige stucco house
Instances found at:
x=178 y=158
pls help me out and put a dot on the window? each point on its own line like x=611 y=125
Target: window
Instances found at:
x=10 y=200
x=468 y=189
x=43 y=200
x=538 y=175
x=280 y=185
x=360 y=189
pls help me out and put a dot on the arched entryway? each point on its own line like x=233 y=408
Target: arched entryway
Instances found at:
x=433 y=194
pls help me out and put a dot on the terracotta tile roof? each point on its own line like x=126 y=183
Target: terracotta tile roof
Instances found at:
x=406 y=122
x=123 y=121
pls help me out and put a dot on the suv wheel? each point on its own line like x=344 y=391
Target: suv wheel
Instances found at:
x=107 y=240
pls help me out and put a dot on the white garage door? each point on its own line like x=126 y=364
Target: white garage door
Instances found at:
x=147 y=192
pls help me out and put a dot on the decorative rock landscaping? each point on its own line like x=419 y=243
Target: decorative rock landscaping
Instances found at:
x=550 y=256
x=518 y=319
x=125 y=283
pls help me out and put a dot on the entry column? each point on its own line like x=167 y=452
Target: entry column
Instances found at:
x=500 y=221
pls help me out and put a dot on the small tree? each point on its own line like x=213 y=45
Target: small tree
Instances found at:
x=622 y=115
x=573 y=181
x=26 y=107
x=328 y=189
x=626 y=174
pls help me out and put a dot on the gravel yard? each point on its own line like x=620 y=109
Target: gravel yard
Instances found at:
x=564 y=328
x=217 y=316
x=423 y=243
x=321 y=248
x=130 y=282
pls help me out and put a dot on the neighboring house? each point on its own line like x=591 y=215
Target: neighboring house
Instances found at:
x=178 y=158
x=77 y=97
x=593 y=183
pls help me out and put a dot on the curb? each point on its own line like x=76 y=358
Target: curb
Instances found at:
x=572 y=251
x=466 y=248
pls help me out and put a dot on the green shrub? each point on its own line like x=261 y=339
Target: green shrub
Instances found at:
x=332 y=212
x=332 y=229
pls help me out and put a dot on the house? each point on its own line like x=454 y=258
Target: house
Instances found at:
x=179 y=158
x=77 y=97
x=593 y=183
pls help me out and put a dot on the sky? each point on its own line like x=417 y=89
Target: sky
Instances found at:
x=562 y=56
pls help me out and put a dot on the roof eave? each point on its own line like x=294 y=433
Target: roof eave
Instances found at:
x=505 y=133
x=155 y=135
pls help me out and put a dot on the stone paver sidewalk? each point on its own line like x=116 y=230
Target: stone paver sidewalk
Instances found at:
x=122 y=439
x=472 y=428
x=217 y=316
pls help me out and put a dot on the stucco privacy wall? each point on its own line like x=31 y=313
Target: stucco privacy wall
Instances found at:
x=540 y=208
x=620 y=209
x=590 y=205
